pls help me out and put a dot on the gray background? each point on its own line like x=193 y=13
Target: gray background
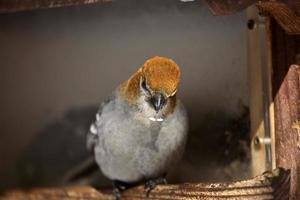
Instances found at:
x=68 y=60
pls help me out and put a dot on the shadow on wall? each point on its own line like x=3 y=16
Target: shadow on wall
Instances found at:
x=217 y=150
x=58 y=147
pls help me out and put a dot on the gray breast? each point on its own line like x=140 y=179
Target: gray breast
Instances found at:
x=128 y=150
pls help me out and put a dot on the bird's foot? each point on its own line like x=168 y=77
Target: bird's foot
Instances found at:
x=117 y=194
x=152 y=183
x=118 y=188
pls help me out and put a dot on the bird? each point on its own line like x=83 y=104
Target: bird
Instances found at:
x=140 y=131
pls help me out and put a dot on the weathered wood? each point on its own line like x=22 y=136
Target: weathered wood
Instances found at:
x=270 y=185
x=9 y=6
x=285 y=91
x=287 y=136
x=284 y=14
x=293 y=4
x=218 y=7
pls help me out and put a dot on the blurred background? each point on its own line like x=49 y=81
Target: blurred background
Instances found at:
x=57 y=65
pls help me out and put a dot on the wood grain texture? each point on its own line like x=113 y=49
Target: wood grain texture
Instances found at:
x=285 y=14
x=10 y=6
x=270 y=185
x=287 y=112
x=293 y=4
x=286 y=94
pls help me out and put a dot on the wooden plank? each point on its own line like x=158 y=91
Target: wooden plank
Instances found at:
x=284 y=14
x=293 y=4
x=10 y=6
x=270 y=185
x=218 y=7
x=287 y=137
x=286 y=94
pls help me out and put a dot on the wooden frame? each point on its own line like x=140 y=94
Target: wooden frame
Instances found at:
x=270 y=185
x=283 y=88
x=286 y=95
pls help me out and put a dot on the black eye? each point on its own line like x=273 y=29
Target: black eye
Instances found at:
x=144 y=85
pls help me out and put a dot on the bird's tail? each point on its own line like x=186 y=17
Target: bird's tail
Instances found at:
x=85 y=173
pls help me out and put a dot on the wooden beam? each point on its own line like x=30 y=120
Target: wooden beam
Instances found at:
x=270 y=185
x=284 y=14
x=287 y=112
x=286 y=94
x=10 y=6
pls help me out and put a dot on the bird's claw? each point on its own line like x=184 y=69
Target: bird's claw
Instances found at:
x=117 y=193
x=152 y=183
x=119 y=187
x=149 y=186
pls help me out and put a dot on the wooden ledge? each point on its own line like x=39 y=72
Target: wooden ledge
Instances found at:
x=270 y=185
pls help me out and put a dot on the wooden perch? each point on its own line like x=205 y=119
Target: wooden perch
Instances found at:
x=270 y=185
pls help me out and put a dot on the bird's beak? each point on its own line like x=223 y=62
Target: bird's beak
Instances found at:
x=158 y=101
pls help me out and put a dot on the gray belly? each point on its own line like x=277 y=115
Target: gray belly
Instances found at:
x=130 y=149
x=134 y=152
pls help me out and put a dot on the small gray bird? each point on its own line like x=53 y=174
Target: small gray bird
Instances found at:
x=141 y=130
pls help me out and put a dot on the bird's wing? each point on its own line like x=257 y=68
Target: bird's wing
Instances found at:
x=85 y=172
x=94 y=131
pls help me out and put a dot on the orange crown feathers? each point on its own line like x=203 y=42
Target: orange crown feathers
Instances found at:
x=161 y=74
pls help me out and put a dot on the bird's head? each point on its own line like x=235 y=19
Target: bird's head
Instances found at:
x=153 y=87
